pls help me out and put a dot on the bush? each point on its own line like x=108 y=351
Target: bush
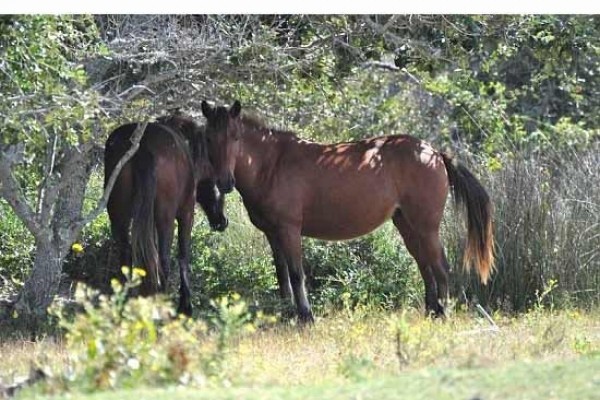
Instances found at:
x=375 y=271
x=238 y=260
x=120 y=342
x=16 y=250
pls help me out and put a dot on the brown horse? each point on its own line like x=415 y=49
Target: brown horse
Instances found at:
x=161 y=183
x=293 y=187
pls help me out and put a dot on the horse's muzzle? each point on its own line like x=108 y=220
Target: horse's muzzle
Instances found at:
x=226 y=186
x=221 y=225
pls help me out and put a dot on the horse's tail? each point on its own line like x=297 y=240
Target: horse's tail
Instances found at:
x=480 y=237
x=143 y=228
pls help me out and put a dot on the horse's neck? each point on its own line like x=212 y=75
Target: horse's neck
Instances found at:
x=259 y=152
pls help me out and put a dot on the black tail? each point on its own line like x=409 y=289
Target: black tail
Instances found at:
x=480 y=237
x=143 y=229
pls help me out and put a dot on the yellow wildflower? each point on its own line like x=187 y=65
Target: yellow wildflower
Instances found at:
x=115 y=284
x=77 y=248
x=139 y=271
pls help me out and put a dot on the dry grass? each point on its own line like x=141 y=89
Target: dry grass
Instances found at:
x=366 y=345
x=359 y=347
x=18 y=356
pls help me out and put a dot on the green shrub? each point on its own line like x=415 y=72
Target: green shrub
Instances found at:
x=16 y=250
x=117 y=342
x=238 y=260
x=114 y=341
x=375 y=270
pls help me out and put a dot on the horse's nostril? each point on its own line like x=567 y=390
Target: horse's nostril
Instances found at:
x=221 y=225
x=225 y=186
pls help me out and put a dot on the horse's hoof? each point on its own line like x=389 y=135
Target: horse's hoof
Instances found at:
x=306 y=318
x=287 y=312
x=185 y=310
x=436 y=312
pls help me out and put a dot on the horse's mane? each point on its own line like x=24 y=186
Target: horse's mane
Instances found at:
x=187 y=127
x=257 y=122
x=179 y=121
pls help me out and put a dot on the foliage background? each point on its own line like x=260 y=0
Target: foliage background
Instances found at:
x=513 y=97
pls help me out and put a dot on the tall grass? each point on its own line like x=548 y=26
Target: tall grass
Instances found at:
x=547 y=231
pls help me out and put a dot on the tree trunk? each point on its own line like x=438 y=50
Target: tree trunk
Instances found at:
x=41 y=286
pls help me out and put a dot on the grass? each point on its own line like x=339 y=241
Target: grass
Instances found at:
x=575 y=379
x=361 y=347
x=367 y=354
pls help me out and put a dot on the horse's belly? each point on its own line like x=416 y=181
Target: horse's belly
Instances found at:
x=346 y=221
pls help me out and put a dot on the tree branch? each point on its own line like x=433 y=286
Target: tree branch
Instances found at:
x=393 y=38
x=145 y=85
x=381 y=64
x=58 y=180
x=10 y=190
x=135 y=144
x=42 y=188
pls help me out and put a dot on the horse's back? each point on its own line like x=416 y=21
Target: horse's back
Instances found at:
x=158 y=139
x=172 y=162
x=115 y=147
x=384 y=164
x=345 y=190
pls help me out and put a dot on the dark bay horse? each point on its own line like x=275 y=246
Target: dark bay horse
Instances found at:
x=161 y=183
x=293 y=187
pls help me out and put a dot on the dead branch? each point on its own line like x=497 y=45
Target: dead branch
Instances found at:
x=135 y=144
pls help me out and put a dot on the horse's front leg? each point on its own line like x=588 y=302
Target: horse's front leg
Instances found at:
x=185 y=223
x=291 y=246
x=281 y=271
x=281 y=267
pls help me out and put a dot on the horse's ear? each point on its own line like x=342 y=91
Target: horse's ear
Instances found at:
x=207 y=110
x=235 y=109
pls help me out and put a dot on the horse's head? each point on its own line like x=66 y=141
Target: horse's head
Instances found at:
x=223 y=131
x=212 y=202
x=208 y=195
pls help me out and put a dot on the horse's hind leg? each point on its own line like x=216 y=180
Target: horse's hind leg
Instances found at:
x=425 y=246
x=120 y=233
x=165 y=224
x=184 y=226
x=442 y=274
x=119 y=213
